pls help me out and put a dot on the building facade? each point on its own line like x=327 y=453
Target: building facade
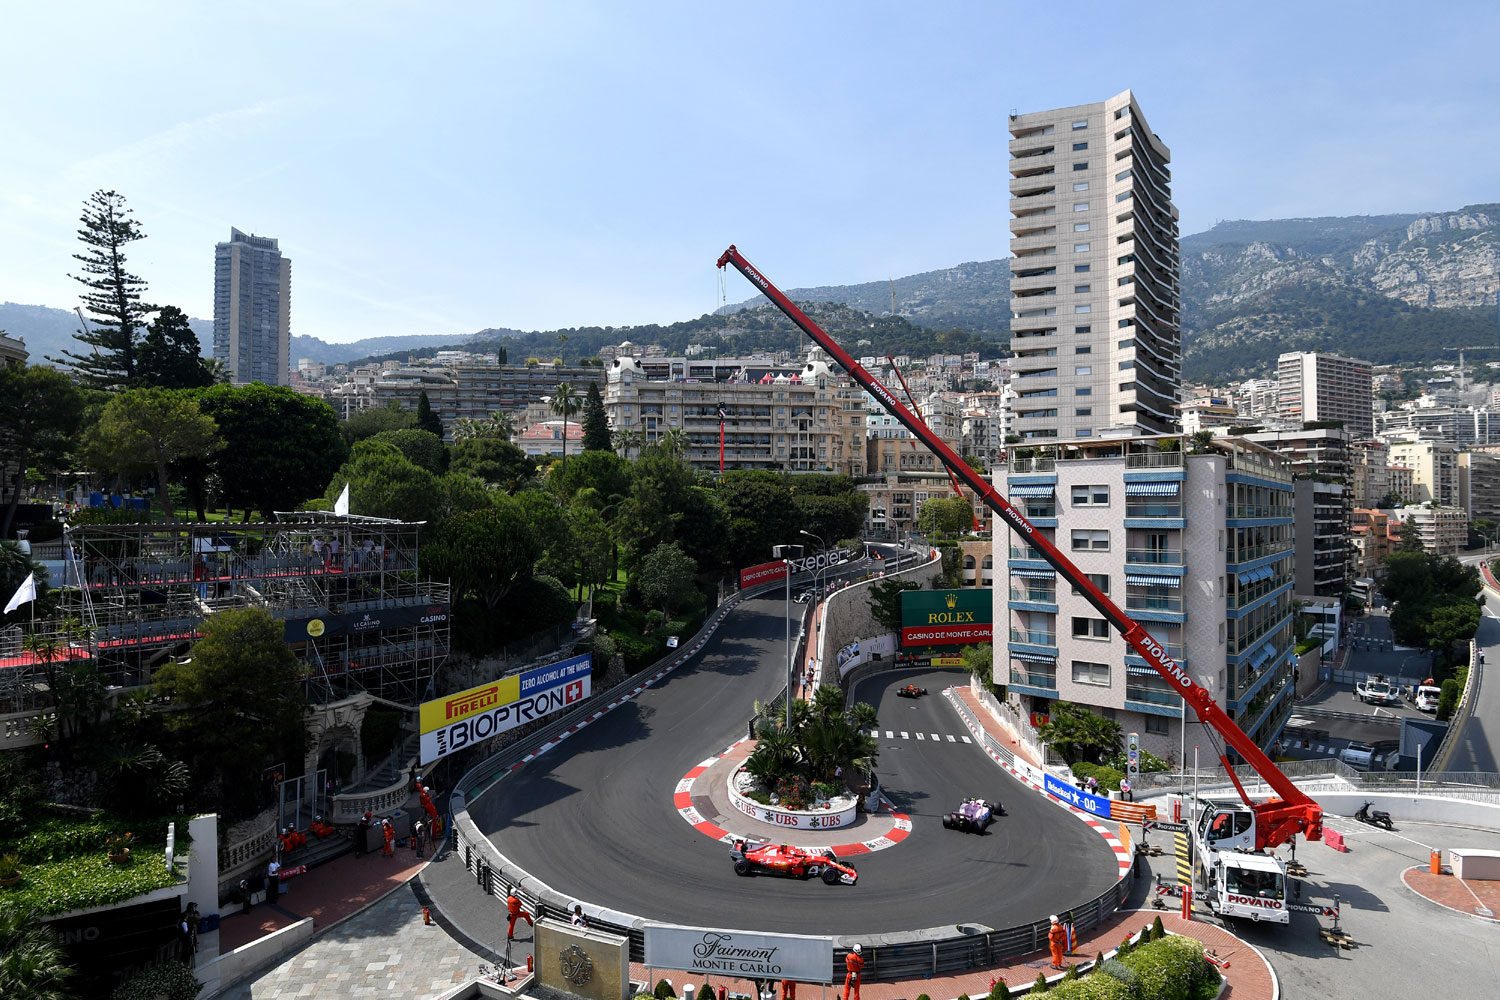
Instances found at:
x=1443 y=531
x=808 y=418
x=1095 y=288
x=1318 y=387
x=1434 y=471
x=252 y=309
x=1479 y=484
x=1195 y=547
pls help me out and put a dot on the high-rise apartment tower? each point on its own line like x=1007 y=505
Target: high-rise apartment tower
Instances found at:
x=1095 y=292
x=252 y=309
x=1317 y=387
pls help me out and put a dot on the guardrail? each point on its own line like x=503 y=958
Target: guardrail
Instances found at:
x=1460 y=717
x=1327 y=713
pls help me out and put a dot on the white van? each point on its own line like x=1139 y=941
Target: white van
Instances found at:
x=1427 y=698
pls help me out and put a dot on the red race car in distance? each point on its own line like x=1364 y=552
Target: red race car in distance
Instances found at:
x=794 y=862
x=910 y=691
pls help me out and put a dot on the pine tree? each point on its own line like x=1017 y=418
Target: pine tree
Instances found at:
x=168 y=356
x=113 y=296
x=595 y=424
x=426 y=419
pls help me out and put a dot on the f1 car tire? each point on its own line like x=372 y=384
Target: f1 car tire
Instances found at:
x=948 y=822
x=830 y=876
x=742 y=867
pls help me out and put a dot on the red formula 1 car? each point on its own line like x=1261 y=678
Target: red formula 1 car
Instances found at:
x=910 y=691
x=782 y=859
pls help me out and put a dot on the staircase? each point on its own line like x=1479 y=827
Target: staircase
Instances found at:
x=390 y=770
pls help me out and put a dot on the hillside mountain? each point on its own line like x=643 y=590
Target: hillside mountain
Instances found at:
x=332 y=354
x=48 y=332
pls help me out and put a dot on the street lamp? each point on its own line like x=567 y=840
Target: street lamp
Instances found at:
x=822 y=547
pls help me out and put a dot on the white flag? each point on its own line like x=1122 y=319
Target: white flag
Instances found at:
x=24 y=593
x=341 y=505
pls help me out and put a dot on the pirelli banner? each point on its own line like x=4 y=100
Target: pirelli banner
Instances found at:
x=957 y=617
x=466 y=718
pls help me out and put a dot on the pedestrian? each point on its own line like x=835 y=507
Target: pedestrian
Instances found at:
x=578 y=919
x=416 y=838
x=788 y=990
x=390 y=838
x=1126 y=792
x=1057 y=939
x=273 y=880
x=513 y=907
x=854 y=967
x=362 y=836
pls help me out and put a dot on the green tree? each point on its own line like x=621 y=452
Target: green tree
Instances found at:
x=1079 y=735
x=594 y=550
x=152 y=429
x=236 y=703
x=112 y=295
x=603 y=471
x=426 y=419
x=385 y=483
x=885 y=602
x=554 y=532
x=367 y=423
x=497 y=425
x=945 y=516
x=565 y=403
x=492 y=460
x=420 y=447
x=40 y=408
x=485 y=552
x=979 y=660
x=1410 y=540
x=761 y=514
x=831 y=516
x=595 y=424
x=280 y=447
x=666 y=577
x=168 y=356
x=32 y=963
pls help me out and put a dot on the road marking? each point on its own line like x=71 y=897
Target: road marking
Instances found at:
x=936 y=738
x=919 y=736
x=966 y=739
x=903 y=736
x=952 y=738
x=889 y=735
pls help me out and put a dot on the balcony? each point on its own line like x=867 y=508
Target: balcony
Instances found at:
x=1034 y=675
x=1154 y=557
x=1154 y=460
x=1257 y=510
x=1026 y=552
x=1151 y=695
x=1142 y=603
x=1034 y=637
x=1153 y=509
x=1034 y=595
x=1019 y=465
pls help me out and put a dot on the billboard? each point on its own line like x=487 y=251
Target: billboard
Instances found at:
x=354 y=622
x=763 y=573
x=946 y=617
x=739 y=954
x=1060 y=789
x=467 y=717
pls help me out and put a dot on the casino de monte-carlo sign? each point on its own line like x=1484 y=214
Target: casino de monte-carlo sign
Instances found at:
x=956 y=617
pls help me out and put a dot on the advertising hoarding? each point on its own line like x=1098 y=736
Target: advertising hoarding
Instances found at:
x=467 y=717
x=739 y=953
x=958 y=617
x=763 y=573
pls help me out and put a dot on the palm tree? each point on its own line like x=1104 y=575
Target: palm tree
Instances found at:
x=626 y=440
x=565 y=403
x=674 y=442
x=502 y=425
x=32 y=963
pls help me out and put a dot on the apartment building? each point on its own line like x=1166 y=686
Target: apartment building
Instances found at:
x=12 y=350
x=1434 y=471
x=896 y=500
x=1443 y=531
x=808 y=418
x=1314 y=387
x=252 y=309
x=1479 y=483
x=1369 y=472
x=1197 y=547
x=1372 y=539
x=465 y=391
x=1095 y=289
x=1321 y=462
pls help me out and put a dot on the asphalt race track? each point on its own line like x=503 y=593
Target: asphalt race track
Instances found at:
x=594 y=816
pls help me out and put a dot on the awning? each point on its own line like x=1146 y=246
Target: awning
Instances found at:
x=1245 y=579
x=1134 y=670
x=1151 y=489
x=1261 y=655
x=1041 y=490
x=1033 y=658
x=1033 y=574
x=1266 y=572
x=1138 y=580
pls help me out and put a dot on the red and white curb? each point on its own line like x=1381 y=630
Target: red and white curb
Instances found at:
x=1122 y=856
x=682 y=798
x=683 y=657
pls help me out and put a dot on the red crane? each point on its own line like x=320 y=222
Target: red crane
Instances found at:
x=1277 y=820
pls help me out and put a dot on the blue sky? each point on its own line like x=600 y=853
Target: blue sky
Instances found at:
x=442 y=167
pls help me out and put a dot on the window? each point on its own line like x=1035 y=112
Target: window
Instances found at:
x=1083 y=329
x=1096 y=674
x=1221 y=633
x=1126 y=365
x=1090 y=496
x=1081 y=124
x=1080 y=206
x=1080 y=248
x=1125 y=344
x=1083 y=308
x=1080 y=166
x=1156 y=725
x=1122 y=174
x=1080 y=289
x=1080 y=145
x=1090 y=540
x=1122 y=196
x=1080 y=227
x=1084 y=432
x=1084 y=370
x=1090 y=628
x=1080 y=268
x=1125 y=323
x=1081 y=186
x=1083 y=349
x=1084 y=390
x=1099 y=580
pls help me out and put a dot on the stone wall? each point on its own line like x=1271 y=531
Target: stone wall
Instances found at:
x=846 y=615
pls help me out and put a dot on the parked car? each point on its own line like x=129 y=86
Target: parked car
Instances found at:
x=1427 y=698
x=1371 y=756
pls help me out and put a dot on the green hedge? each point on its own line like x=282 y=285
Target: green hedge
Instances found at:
x=1109 y=778
x=167 y=981
x=1095 y=987
x=1172 y=968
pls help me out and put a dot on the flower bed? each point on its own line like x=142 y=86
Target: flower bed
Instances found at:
x=749 y=797
x=64 y=861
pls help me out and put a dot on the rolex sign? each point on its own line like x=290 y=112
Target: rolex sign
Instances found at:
x=957 y=617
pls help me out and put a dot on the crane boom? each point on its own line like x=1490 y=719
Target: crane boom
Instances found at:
x=1277 y=820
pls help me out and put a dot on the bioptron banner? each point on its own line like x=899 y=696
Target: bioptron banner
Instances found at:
x=946 y=617
x=465 y=718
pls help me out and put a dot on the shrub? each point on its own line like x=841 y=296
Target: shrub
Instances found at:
x=168 y=981
x=923 y=996
x=1448 y=699
x=1171 y=969
x=1040 y=986
x=664 y=989
x=1093 y=988
x=1098 y=961
x=1157 y=930
x=706 y=991
x=999 y=991
x=1071 y=974
x=963 y=996
x=1113 y=968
